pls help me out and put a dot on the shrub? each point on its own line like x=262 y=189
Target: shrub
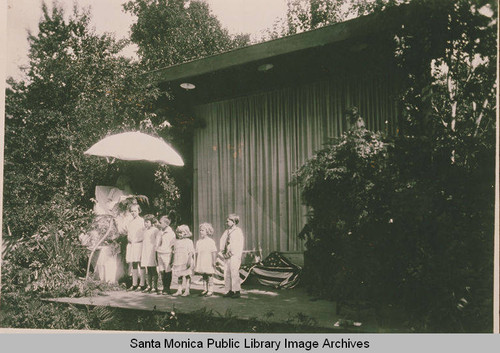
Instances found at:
x=345 y=185
x=381 y=234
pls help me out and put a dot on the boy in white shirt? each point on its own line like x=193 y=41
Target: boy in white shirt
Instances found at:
x=164 y=250
x=231 y=245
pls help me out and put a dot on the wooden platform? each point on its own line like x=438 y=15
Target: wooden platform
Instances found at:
x=256 y=302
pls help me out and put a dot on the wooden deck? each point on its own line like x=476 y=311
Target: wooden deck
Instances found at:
x=256 y=302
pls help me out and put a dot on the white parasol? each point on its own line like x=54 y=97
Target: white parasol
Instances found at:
x=133 y=146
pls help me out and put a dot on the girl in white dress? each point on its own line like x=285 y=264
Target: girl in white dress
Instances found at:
x=183 y=259
x=148 y=258
x=134 y=229
x=206 y=255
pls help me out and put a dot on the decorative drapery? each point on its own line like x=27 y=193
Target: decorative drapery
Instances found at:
x=250 y=146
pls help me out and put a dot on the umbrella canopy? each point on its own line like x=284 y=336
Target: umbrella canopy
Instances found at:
x=134 y=146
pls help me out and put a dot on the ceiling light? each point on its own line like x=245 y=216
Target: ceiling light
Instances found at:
x=265 y=67
x=187 y=86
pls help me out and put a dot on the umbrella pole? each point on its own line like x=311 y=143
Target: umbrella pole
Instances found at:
x=95 y=247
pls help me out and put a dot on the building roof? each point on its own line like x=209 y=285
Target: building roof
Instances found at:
x=346 y=47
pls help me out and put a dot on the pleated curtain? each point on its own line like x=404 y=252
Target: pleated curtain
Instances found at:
x=250 y=146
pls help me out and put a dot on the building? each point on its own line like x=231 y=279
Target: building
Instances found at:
x=266 y=108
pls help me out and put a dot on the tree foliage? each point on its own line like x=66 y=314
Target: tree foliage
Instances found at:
x=175 y=31
x=77 y=89
x=345 y=185
x=306 y=15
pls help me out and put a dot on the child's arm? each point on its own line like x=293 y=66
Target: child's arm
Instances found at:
x=159 y=239
x=190 y=260
x=191 y=256
x=139 y=235
x=214 y=259
x=196 y=253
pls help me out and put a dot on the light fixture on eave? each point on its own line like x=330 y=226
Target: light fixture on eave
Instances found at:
x=265 y=67
x=187 y=86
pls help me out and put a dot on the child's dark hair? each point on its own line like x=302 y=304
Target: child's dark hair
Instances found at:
x=166 y=218
x=151 y=218
x=234 y=217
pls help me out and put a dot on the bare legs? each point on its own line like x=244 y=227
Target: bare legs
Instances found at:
x=138 y=276
x=184 y=282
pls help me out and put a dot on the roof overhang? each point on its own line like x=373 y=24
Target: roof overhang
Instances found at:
x=348 y=47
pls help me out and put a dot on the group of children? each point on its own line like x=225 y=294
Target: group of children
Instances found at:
x=153 y=244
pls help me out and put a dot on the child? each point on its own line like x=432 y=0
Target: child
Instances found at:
x=206 y=254
x=148 y=257
x=183 y=259
x=164 y=246
x=134 y=229
x=231 y=245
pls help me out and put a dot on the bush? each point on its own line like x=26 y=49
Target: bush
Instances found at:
x=381 y=234
x=346 y=184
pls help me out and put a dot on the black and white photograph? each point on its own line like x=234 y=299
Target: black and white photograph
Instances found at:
x=237 y=166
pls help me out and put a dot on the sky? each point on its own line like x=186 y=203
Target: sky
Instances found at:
x=238 y=16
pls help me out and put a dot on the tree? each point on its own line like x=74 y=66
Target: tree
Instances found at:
x=306 y=15
x=445 y=155
x=77 y=89
x=175 y=31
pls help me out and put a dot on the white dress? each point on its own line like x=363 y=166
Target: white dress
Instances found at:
x=134 y=236
x=183 y=249
x=148 y=257
x=204 y=249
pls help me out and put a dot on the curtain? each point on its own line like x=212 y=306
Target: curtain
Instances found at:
x=247 y=152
